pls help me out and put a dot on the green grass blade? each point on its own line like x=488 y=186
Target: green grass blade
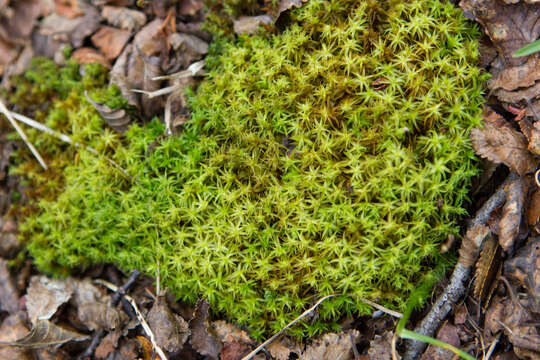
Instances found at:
x=407 y=334
x=528 y=49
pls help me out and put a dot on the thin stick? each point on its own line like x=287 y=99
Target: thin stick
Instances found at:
x=7 y=114
x=382 y=308
x=304 y=314
x=143 y=322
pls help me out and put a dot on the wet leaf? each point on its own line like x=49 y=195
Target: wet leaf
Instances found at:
x=124 y=18
x=250 y=24
x=170 y=330
x=201 y=340
x=499 y=142
x=46 y=333
x=44 y=296
x=110 y=41
x=117 y=119
x=332 y=346
x=511 y=213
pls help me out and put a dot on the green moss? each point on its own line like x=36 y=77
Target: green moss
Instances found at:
x=331 y=158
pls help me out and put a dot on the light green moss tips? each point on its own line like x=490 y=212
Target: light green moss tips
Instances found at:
x=331 y=158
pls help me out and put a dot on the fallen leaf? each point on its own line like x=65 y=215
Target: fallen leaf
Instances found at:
x=108 y=344
x=250 y=24
x=86 y=55
x=499 y=142
x=118 y=76
x=110 y=41
x=117 y=119
x=124 y=18
x=8 y=53
x=170 y=330
x=487 y=268
x=283 y=349
x=285 y=5
x=188 y=48
x=474 y=237
x=9 y=241
x=129 y=349
x=449 y=334
x=511 y=213
x=201 y=340
x=44 y=296
x=18 y=27
x=147 y=349
x=76 y=30
x=380 y=347
x=45 y=333
x=9 y=297
x=161 y=8
x=190 y=7
x=235 y=350
x=100 y=316
x=12 y=328
x=525 y=268
x=227 y=332
x=533 y=213
x=336 y=346
x=68 y=8
x=150 y=39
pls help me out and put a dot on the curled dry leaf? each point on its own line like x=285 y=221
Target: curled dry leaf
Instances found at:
x=117 y=119
x=86 y=55
x=499 y=142
x=45 y=333
x=512 y=212
x=44 y=296
x=170 y=330
x=250 y=24
x=201 y=339
x=124 y=18
x=110 y=41
x=525 y=268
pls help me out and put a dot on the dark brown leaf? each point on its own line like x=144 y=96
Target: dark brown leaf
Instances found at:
x=234 y=350
x=512 y=213
x=190 y=7
x=525 y=268
x=170 y=330
x=86 y=55
x=124 y=18
x=12 y=328
x=46 y=333
x=188 y=48
x=533 y=213
x=448 y=334
x=44 y=296
x=201 y=340
x=108 y=344
x=499 y=142
x=110 y=41
x=487 y=267
x=9 y=297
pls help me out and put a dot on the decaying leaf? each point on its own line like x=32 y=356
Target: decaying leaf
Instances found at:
x=124 y=18
x=473 y=239
x=332 y=346
x=283 y=349
x=12 y=328
x=110 y=41
x=512 y=213
x=188 y=48
x=118 y=76
x=86 y=55
x=9 y=299
x=190 y=7
x=381 y=346
x=100 y=316
x=500 y=143
x=17 y=27
x=532 y=133
x=533 y=212
x=449 y=334
x=170 y=330
x=201 y=339
x=227 y=332
x=525 y=268
x=45 y=333
x=117 y=119
x=487 y=267
x=250 y=24
x=285 y=5
x=234 y=350
x=108 y=344
x=44 y=296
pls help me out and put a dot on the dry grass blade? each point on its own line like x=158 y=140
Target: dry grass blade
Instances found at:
x=7 y=113
x=140 y=317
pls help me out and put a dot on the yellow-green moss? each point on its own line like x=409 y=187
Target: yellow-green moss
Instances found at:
x=331 y=158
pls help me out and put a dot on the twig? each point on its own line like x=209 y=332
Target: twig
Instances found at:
x=456 y=287
x=492 y=347
x=143 y=322
x=304 y=314
x=382 y=308
x=6 y=112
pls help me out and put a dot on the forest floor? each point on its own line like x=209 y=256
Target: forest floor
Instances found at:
x=491 y=302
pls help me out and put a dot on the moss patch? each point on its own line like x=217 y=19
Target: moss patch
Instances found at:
x=331 y=158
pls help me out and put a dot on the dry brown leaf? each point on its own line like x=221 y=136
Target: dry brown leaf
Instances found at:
x=46 y=333
x=499 y=142
x=448 y=334
x=533 y=212
x=235 y=350
x=474 y=237
x=108 y=344
x=380 y=347
x=110 y=41
x=188 y=48
x=9 y=298
x=511 y=213
x=283 y=349
x=86 y=55
x=250 y=24
x=285 y=5
x=100 y=316
x=124 y=18
x=532 y=133
x=170 y=330
x=12 y=328
x=129 y=349
x=8 y=54
x=17 y=27
x=336 y=346
x=525 y=268
x=44 y=296
x=118 y=76
x=147 y=349
x=201 y=340
x=190 y=7
x=486 y=268
x=68 y=8
x=150 y=39
x=227 y=332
